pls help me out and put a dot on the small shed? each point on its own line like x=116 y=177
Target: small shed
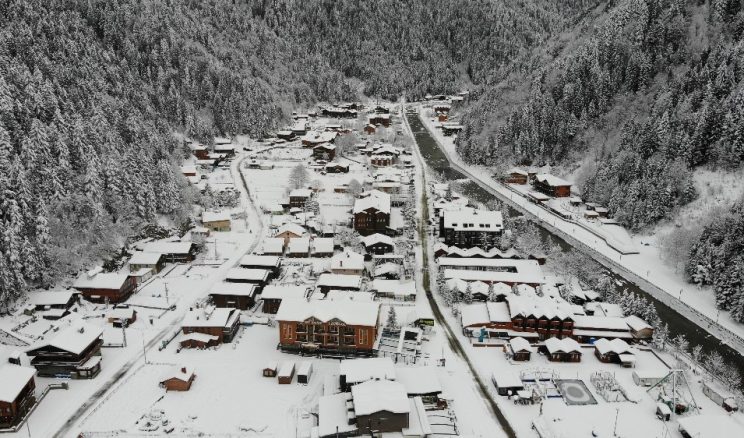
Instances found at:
x=270 y=369
x=720 y=396
x=506 y=381
x=286 y=373
x=304 y=372
x=178 y=379
x=663 y=412
x=520 y=349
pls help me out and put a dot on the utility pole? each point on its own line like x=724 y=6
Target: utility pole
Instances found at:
x=167 y=302
x=617 y=414
x=144 y=350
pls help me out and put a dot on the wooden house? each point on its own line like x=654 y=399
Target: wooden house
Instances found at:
x=323 y=247
x=222 y=323
x=273 y=295
x=177 y=379
x=337 y=168
x=174 y=252
x=347 y=263
x=286 y=373
x=216 y=221
x=325 y=151
x=52 y=304
x=507 y=382
x=253 y=261
x=380 y=119
x=380 y=406
x=319 y=326
x=552 y=185
x=74 y=352
x=327 y=282
x=17 y=393
x=520 y=349
x=449 y=129
x=516 y=176
x=562 y=350
x=298 y=197
x=378 y=244
x=372 y=213
x=198 y=341
x=101 y=287
x=122 y=316
x=234 y=295
x=614 y=351
x=469 y=227
x=287 y=135
x=304 y=372
x=147 y=260
x=270 y=369
x=369 y=129
x=639 y=328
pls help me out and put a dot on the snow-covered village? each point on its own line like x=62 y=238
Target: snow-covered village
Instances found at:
x=425 y=220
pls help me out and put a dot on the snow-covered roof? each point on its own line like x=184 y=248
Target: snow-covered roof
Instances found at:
x=175 y=372
x=377 y=238
x=211 y=317
x=237 y=289
x=374 y=199
x=102 y=280
x=320 y=137
x=198 y=337
x=394 y=287
x=121 y=313
x=13 y=378
x=479 y=314
x=363 y=369
x=145 y=258
x=347 y=260
x=527 y=271
x=600 y=322
x=636 y=323
x=50 y=298
x=349 y=312
x=419 y=380
x=538 y=307
x=520 y=344
x=284 y=291
x=291 y=228
x=300 y=193
x=166 y=247
x=299 y=245
x=617 y=346
x=551 y=180
x=506 y=379
x=387 y=268
x=380 y=395
x=565 y=345
x=326 y=146
x=610 y=309
x=260 y=260
x=339 y=281
x=323 y=245
x=470 y=219
x=273 y=244
x=516 y=171
x=710 y=426
x=74 y=339
x=333 y=415
x=215 y=216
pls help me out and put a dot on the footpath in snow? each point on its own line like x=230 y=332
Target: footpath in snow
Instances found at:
x=646 y=269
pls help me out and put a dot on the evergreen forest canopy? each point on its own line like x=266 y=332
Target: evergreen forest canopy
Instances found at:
x=92 y=91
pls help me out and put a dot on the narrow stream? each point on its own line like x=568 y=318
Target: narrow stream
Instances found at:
x=437 y=162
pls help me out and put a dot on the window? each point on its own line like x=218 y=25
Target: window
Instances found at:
x=363 y=336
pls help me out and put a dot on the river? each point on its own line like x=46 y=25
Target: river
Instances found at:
x=438 y=163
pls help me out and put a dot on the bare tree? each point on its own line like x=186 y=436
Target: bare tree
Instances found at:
x=298 y=177
x=355 y=188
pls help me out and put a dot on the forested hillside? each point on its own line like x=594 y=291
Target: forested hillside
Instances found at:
x=90 y=95
x=650 y=91
x=91 y=92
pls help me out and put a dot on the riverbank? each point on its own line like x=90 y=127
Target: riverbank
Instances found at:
x=662 y=283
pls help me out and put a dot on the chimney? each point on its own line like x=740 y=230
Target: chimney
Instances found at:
x=183 y=370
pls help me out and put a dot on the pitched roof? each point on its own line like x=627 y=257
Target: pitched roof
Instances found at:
x=551 y=180
x=470 y=219
x=180 y=373
x=363 y=369
x=239 y=289
x=375 y=199
x=347 y=260
x=350 y=312
x=210 y=317
x=102 y=280
x=13 y=378
x=377 y=238
x=323 y=245
x=284 y=291
x=565 y=345
x=50 y=298
x=337 y=280
x=145 y=258
x=215 y=216
x=380 y=395
x=74 y=339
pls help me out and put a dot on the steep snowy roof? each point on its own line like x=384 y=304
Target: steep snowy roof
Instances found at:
x=469 y=219
x=180 y=373
x=380 y=395
x=145 y=258
x=565 y=345
x=75 y=338
x=50 y=298
x=349 y=312
x=617 y=346
x=292 y=228
x=377 y=238
x=347 y=260
x=211 y=317
x=538 y=307
x=300 y=193
x=13 y=378
x=102 y=280
x=375 y=199
x=520 y=344
x=215 y=216
x=551 y=180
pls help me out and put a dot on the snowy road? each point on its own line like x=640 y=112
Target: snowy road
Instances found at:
x=634 y=268
x=479 y=390
x=255 y=225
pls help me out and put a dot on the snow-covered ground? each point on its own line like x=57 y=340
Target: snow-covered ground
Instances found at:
x=647 y=264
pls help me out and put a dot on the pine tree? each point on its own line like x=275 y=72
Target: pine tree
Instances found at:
x=392 y=318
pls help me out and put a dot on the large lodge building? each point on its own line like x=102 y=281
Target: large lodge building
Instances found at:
x=471 y=228
x=328 y=326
